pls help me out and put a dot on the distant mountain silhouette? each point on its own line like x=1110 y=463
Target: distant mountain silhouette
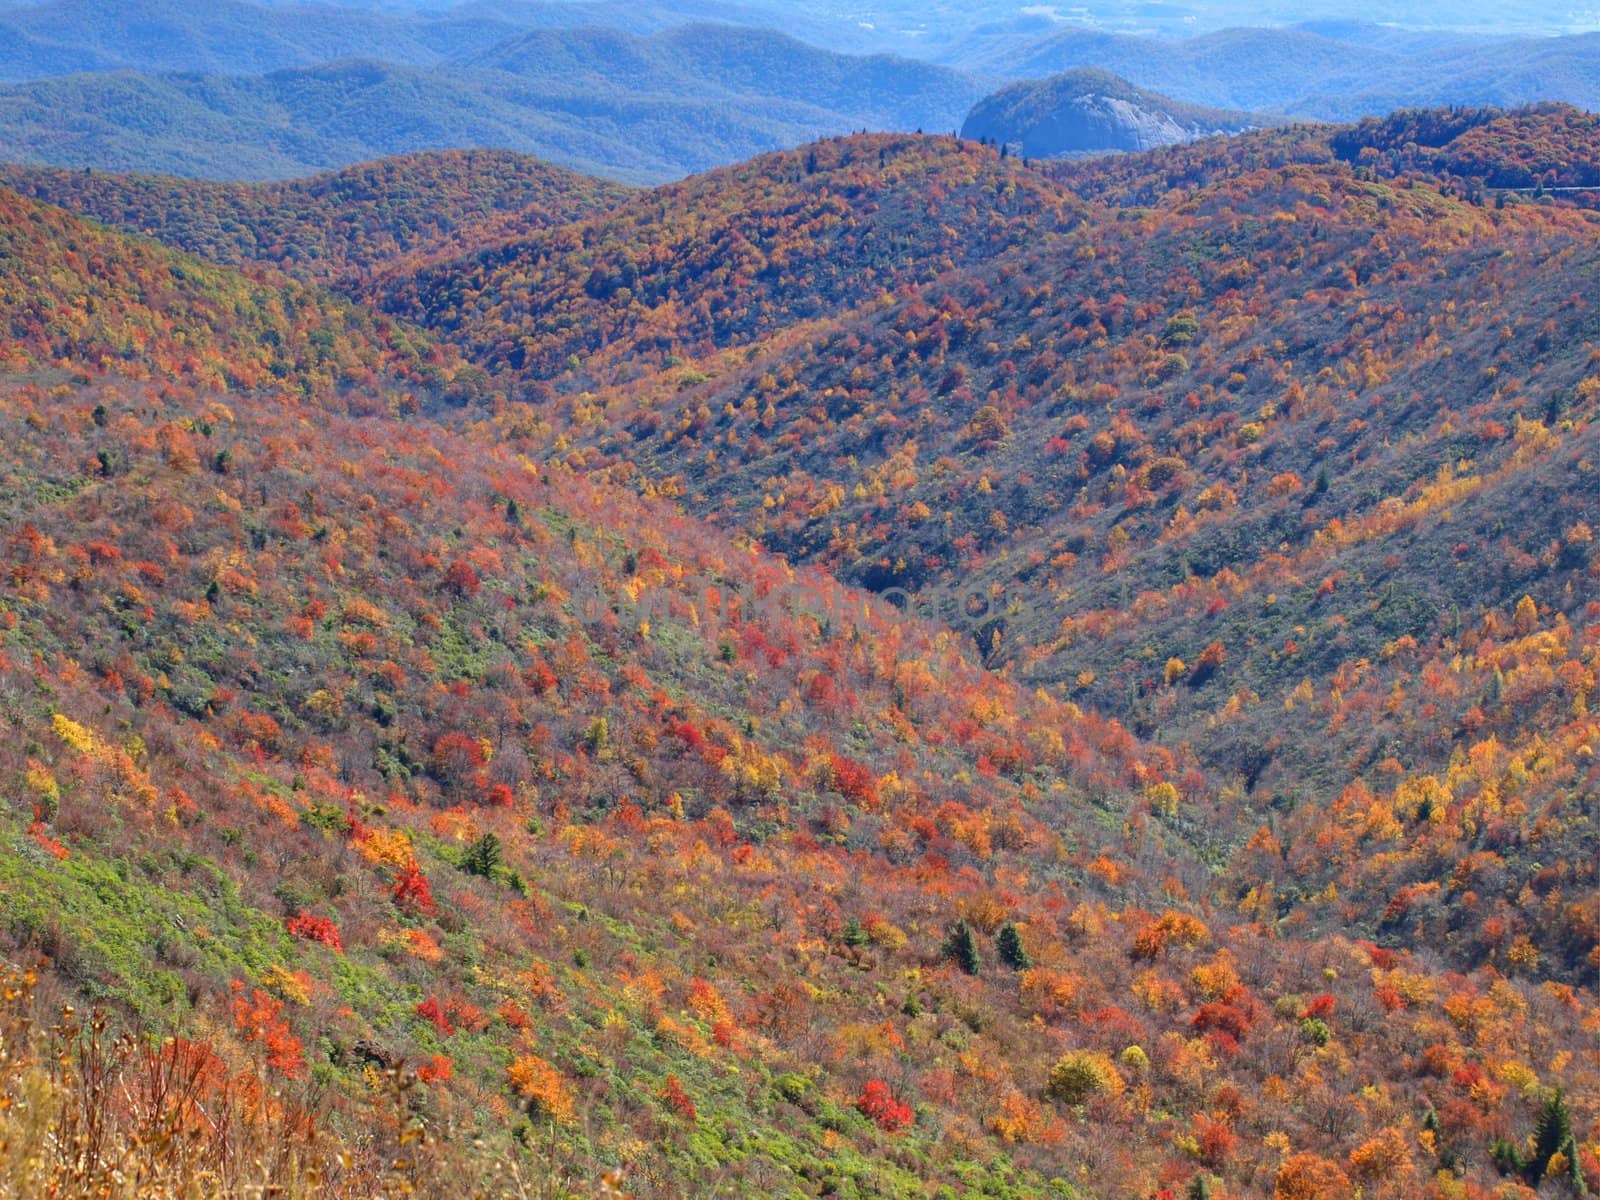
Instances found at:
x=1329 y=71
x=640 y=109
x=234 y=36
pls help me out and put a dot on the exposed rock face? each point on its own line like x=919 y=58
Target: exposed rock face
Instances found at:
x=1093 y=112
x=1096 y=123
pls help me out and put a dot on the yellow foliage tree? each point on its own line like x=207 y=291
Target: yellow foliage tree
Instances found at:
x=543 y=1087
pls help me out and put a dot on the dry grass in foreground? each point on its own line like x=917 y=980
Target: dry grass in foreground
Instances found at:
x=86 y=1112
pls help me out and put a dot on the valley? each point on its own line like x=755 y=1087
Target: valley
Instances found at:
x=849 y=664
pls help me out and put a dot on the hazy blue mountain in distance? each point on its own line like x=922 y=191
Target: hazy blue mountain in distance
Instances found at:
x=840 y=32
x=878 y=92
x=931 y=28
x=23 y=56
x=1336 y=71
x=1092 y=112
x=950 y=31
x=1236 y=68
x=652 y=91
x=1500 y=73
x=223 y=36
x=634 y=109
x=1391 y=38
x=234 y=36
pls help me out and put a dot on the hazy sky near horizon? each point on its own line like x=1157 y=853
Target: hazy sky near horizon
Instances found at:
x=1175 y=17
x=1172 y=18
x=963 y=32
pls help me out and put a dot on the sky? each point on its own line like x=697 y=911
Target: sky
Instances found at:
x=1186 y=17
x=1170 y=18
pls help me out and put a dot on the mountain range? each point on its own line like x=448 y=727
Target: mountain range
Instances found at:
x=649 y=93
x=882 y=668
x=1330 y=72
x=235 y=37
x=633 y=108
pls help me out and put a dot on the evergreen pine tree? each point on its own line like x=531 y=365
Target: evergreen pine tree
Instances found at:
x=962 y=946
x=1507 y=1158
x=1443 y=1150
x=482 y=857
x=1012 y=952
x=1552 y=1135
x=1574 y=1172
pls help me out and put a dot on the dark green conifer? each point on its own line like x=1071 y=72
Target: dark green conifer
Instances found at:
x=482 y=857
x=962 y=947
x=1552 y=1135
x=1012 y=952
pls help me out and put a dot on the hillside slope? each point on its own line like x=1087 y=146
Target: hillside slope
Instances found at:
x=1143 y=462
x=728 y=258
x=442 y=796
x=353 y=744
x=337 y=225
x=75 y=297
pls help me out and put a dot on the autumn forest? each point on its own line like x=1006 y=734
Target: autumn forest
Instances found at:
x=890 y=669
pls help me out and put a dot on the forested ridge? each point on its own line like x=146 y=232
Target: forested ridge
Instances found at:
x=885 y=670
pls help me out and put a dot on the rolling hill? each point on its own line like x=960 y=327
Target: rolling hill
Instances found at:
x=331 y=740
x=898 y=673
x=74 y=295
x=727 y=258
x=1052 y=449
x=335 y=225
